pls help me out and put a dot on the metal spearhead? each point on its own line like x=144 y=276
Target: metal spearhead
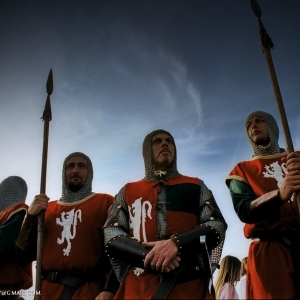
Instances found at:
x=47 y=114
x=49 y=84
x=256 y=9
x=266 y=41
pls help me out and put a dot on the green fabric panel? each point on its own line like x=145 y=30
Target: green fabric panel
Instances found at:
x=183 y=197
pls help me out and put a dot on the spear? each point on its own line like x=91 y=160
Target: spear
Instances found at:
x=267 y=45
x=47 y=117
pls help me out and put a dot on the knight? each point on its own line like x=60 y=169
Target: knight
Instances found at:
x=74 y=265
x=263 y=200
x=14 y=275
x=152 y=233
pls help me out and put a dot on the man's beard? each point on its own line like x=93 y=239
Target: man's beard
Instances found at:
x=163 y=164
x=75 y=188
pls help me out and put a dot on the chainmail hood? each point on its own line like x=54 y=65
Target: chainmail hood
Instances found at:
x=273 y=131
x=147 y=154
x=86 y=190
x=13 y=190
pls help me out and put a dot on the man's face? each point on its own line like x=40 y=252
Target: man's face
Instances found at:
x=258 y=132
x=163 y=151
x=76 y=171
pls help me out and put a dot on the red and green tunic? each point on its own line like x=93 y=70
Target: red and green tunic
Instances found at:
x=73 y=241
x=270 y=268
x=13 y=276
x=182 y=201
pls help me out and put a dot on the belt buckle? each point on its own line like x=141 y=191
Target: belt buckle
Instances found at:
x=53 y=276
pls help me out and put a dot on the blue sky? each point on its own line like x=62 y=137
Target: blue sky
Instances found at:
x=124 y=68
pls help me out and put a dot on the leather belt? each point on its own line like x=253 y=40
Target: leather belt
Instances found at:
x=71 y=280
x=167 y=283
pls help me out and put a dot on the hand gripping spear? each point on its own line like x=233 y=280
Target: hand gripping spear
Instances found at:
x=47 y=117
x=267 y=44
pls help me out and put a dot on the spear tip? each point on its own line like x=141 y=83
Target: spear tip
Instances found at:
x=47 y=114
x=49 y=84
x=256 y=9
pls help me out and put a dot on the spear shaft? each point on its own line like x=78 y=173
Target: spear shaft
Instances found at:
x=279 y=102
x=267 y=44
x=47 y=117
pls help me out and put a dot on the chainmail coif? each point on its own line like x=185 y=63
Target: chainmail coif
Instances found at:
x=148 y=161
x=86 y=190
x=13 y=190
x=273 y=131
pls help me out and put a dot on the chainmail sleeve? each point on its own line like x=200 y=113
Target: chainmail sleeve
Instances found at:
x=211 y=215
x=120 y=268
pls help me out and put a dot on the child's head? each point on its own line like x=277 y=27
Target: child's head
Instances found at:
x=244 y=266
x=230 y=267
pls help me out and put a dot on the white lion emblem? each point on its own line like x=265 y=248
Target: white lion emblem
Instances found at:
x=138 y=212
x=67 y=222
x=276 y=171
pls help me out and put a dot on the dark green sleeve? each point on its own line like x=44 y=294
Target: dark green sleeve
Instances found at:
x=9 y=231
x=242 y=195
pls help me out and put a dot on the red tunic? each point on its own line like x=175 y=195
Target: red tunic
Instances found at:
x=73 y=241
x=270 y=267
x=182 y=215
x=13 y=276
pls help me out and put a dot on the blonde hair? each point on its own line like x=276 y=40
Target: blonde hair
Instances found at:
x=230 y=267
x=244 y=266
